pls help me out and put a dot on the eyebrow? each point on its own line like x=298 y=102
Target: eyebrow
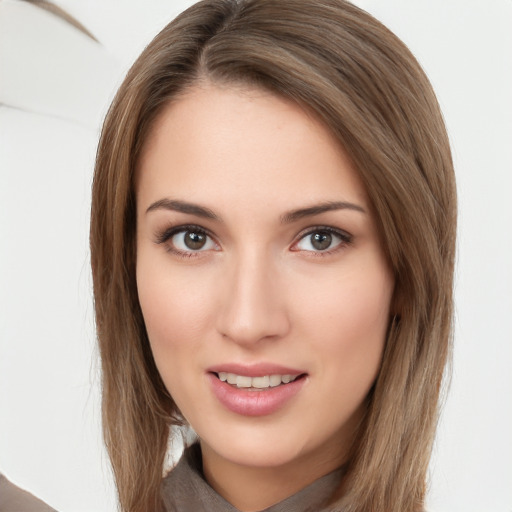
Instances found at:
x=287 y=218
x=310 y=211
x=183 y=207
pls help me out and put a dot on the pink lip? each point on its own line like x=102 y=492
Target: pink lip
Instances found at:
x=254 y=370
x=250 y=402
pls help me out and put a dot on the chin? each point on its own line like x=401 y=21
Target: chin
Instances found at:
x=258 y=455
x=259 y=446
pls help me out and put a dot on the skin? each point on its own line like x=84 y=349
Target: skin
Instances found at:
x=259 y=290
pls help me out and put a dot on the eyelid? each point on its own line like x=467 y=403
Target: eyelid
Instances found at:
x=163 y=237
x=346 y=238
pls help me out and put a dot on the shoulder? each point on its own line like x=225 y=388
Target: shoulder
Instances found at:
x=14 y=499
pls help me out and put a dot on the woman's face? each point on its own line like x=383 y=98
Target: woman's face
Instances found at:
x=259 y=262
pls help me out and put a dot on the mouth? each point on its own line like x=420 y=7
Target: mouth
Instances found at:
x=259 y=383
x=256 y=390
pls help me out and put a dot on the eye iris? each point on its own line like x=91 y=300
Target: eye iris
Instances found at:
x=194 y=240
x=321 y=240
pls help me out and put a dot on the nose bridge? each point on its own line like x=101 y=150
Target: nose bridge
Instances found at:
x=253 y=306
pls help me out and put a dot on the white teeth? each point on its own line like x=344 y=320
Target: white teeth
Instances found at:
x=261 y=382
x=275 y=380
x=266 y=381
x=242 y=381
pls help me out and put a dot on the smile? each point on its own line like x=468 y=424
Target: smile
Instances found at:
x=255 y=396
x=256 y=383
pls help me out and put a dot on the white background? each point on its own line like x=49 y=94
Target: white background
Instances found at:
x=50 y=438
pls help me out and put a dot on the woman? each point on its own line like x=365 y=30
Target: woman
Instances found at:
x=272 y=242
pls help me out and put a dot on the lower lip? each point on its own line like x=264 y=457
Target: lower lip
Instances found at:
x=254 y=403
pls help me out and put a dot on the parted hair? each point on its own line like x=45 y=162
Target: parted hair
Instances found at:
x=339 y=63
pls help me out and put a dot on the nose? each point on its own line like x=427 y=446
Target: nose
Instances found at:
x=252 y=305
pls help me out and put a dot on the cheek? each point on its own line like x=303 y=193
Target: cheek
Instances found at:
x=348 y=321
x=176 y=307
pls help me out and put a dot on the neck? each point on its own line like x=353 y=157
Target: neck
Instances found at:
x=250 y=489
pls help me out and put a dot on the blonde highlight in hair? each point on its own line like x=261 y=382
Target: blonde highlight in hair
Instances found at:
x=360 y=80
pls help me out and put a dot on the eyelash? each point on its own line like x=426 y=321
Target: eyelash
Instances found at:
x=345 y=240
x=164 y=237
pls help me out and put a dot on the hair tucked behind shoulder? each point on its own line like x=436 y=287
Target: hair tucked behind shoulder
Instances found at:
x=361 y=81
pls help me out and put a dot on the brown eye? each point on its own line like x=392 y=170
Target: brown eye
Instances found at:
x=192 y=240
x=321 y=241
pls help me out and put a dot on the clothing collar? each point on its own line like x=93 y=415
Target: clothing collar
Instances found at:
x=186 y=490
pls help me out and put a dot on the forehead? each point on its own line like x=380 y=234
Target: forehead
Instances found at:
x=221 y=143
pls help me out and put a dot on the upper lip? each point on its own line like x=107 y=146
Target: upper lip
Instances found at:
x=254 y=370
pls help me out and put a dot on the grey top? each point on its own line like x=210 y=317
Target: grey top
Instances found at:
x=186 y=490
x=14 y=499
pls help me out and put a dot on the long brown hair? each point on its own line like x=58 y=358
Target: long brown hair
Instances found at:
x=362 y=82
